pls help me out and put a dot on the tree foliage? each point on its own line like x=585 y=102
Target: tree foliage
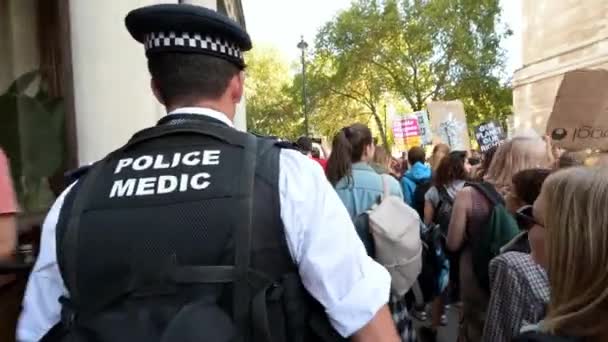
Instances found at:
x=378 y=51
x=420 y=51
x=271 y=108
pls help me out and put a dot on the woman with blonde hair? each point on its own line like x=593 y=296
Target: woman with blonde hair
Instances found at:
x=570 y=241
x=470 y=214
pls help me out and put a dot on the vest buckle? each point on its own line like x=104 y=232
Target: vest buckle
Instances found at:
x=68 y=313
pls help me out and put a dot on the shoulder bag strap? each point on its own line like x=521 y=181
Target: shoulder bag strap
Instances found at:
x=489 y=192
x=386 y=192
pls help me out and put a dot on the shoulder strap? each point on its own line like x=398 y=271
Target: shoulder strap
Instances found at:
x=444 y=196
x=386 y=192
x=488 y=191
x=67 y=248
x=241 y=296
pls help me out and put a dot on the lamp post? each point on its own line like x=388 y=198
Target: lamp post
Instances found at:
x=302 y=45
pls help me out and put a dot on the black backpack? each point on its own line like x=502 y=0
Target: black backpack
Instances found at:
x=443 y=212
x=422 y=186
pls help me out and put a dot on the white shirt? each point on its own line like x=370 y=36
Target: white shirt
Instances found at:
x=321 y=238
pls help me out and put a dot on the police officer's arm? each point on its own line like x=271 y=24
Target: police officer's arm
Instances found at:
x=41 y=308
x=332 y=261
x=380 y=329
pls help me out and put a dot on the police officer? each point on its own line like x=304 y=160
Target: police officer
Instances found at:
x=194 y=231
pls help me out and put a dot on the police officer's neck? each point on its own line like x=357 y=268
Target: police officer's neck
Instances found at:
x=228 y=109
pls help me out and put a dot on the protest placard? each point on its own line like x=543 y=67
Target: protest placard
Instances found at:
x=406 y=131
x=449 y=124
x=424 y=127
x=579 y=119
x=488 y=135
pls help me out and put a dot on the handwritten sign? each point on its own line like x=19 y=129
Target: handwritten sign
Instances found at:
x=488 y=135
x=579 y=119
x=406 y=131
x=424 y=127
x=449 y=124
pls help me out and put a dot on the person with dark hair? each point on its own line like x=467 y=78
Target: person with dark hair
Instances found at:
x=519 y=287
x=189 y=230
x=449 y=178
x=486 y=161
x=349 y=170
x=418 y=175
x=359 y=187
x=305 y=145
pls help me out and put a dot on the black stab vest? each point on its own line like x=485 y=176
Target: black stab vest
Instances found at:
x=154 y=231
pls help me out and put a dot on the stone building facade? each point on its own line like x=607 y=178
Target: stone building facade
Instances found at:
x=558 y=36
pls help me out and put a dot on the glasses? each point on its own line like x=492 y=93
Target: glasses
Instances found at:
x=526 y=221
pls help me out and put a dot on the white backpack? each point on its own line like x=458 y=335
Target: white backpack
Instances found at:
x=396 y=230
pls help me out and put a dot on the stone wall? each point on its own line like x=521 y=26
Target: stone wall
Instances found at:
x=558 y=36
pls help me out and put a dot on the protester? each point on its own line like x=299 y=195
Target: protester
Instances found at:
x=470 y=215
x=449 y=178
x=8 y=211
x=305 y=145
x=241 y=238
x=359 y=187
x=316 y=156
x=526 y=188
x=439 y=151
x=486 y=160
x=382 y=162
x=10 y=289
x=418 y=175
x=519 y=286
x=572 y=225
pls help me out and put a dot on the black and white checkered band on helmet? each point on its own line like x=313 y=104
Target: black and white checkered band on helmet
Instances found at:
x=187 y=41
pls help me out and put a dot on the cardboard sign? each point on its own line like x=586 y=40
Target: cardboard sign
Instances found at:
x=424 y=127
x=406 y=131
x=488 y=135
x=411 y=131
x=449 y=124
x=579 y=119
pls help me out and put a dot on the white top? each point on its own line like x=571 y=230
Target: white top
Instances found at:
x=331 y=259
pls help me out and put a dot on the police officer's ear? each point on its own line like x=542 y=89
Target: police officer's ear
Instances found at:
x=236 y=87
x=156 y=91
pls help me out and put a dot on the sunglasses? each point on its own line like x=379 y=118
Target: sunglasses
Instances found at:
x=525 y=220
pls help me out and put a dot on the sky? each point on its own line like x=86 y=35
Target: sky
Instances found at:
x=280 y=23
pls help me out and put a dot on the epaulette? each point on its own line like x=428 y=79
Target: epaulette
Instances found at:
x=287 y=145
x=73 y=175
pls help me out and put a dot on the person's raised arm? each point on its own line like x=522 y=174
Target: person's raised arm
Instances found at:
x=458 y=221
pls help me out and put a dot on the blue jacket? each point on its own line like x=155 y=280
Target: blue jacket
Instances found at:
x=417 y=174
x=360 y=193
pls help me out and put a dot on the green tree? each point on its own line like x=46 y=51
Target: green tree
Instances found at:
x=420 y=51
x=271 y=109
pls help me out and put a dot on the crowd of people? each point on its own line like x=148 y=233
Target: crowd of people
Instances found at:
x=224 y=236
x=539 y=207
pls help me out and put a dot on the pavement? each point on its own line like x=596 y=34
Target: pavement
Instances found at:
x=449 y=333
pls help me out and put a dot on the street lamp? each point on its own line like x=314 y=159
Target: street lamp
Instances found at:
x=302 y=45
